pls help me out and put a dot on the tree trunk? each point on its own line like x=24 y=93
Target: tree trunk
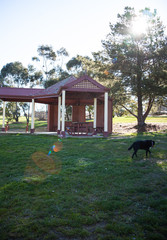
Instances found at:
x=140 y=117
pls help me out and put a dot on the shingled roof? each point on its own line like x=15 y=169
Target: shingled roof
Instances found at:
x=56 y=88
x=13 y=94
x=71 y=84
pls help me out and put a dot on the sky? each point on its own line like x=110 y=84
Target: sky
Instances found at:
x=77 y=25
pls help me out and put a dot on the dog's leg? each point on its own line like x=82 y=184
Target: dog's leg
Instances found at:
x=135 y=153
x=148 y=151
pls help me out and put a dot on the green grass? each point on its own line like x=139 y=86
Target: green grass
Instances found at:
x=128 y=119
x=21 y=125
x=41 y=126
x=90 y=189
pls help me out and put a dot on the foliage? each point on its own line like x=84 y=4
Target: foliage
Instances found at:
x=94 y=191
x=90 y=110
x=62 y=75
x=137 y=60
x=14 y=74
x=34 y=77
x=51 y=64
x=74 y=65
x=26 y=110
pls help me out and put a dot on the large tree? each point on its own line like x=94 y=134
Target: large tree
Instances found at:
x=14 y=74
x=51 y=63
x=136 y=49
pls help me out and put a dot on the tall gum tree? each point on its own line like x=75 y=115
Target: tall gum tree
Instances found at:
x=14 y=74
x=136 y=48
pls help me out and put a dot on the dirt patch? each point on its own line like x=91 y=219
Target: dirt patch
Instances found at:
x=125 y=128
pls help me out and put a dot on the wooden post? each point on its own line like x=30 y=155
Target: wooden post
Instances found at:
x=3 y=121
x=27 y=128
x=95 y=115
x=32 y=116
x=59 y=114
x=63 y=113
x=6 y=127
x=106 y=114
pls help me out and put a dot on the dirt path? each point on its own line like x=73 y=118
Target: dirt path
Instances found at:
x=125 y=128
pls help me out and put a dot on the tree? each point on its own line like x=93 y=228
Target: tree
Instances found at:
x=34 y=77
x=52 y=64
x=137 y=60
x=48 y=57
x=74 y=65
x=14 y=74
x=89 y=109
x=1 y=81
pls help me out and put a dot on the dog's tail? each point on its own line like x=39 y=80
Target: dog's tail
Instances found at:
x=130 y=147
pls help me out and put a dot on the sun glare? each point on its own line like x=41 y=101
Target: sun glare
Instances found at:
x=139 y=26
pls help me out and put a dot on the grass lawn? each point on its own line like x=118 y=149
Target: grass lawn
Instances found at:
x=90 y=189
x=21 y=125
x=129 y=119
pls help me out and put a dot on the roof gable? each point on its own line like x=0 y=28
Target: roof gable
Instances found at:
x=55 y=88
x=85 y=83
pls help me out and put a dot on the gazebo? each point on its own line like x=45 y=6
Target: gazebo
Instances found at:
x=72 y=91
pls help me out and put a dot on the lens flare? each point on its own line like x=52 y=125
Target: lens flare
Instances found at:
x=57 y=146
x=46 y=163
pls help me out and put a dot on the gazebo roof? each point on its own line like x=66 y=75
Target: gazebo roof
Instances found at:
x=17 y=94
x=55 y=89
x=82 y=87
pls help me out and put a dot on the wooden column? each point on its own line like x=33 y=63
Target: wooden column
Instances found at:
x=63 y=113
x=59 y=114
x=95 y=113
x=95 y=116
x=32 y=117
x=3 y=122
x=110 y=113
x=106 y=114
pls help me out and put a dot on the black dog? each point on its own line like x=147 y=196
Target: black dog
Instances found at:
x=145 y=145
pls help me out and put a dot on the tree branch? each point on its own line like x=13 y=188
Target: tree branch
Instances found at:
x=129 y=111
x=150 y=104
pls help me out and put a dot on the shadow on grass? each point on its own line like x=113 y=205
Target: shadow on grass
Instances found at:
x=99 y=193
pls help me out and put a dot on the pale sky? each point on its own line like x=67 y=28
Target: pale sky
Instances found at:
x=77 y=25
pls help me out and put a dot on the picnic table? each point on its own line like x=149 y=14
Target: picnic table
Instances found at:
x=80 y=128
